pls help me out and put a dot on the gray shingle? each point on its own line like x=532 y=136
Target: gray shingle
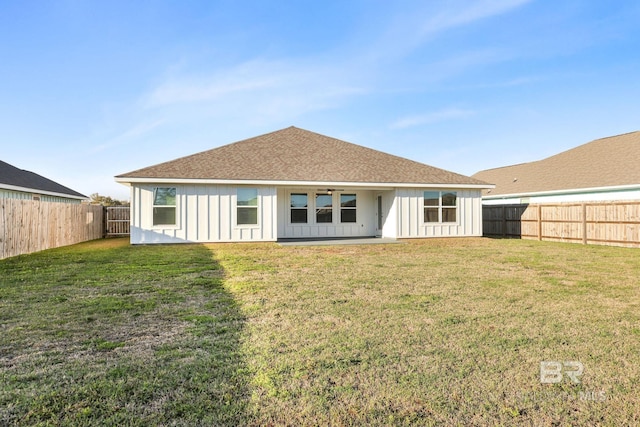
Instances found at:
x=294 y=154
x=11 y=175
x=605 y=162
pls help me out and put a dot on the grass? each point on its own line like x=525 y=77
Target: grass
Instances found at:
x=432 y=332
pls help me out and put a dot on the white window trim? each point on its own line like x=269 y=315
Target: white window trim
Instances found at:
x=257 y=208
x=354 y=208
x=153 y=205
x=440 y=207
x=310 y=212
x=315 y=209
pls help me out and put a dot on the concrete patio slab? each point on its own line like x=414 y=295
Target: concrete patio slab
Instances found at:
x=341 y=241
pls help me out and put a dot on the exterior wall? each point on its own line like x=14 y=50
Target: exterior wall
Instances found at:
x=207 y=213
x=389 y=214
x=601 y=196
x=10 y=194
x=204 y=213
x=365 y=224
x=410 y=208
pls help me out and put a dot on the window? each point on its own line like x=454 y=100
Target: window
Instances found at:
x=440 y=206
x=449 y=206
x=247 y=206
x=347 y=208
x=299 y=205
x=164 y=206
x=324 y=208
x=431 y=206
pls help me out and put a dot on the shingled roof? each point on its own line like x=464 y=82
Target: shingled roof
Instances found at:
x=294 y=154
x=22 y=180
x=606 y=162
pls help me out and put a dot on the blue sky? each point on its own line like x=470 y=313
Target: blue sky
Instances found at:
x=89 y=90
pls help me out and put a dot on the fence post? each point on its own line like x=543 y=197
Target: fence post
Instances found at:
x=539 y=222
x=504 y=220
x=584 y=223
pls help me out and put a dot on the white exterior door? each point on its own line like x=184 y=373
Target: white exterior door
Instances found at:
x=379 y=215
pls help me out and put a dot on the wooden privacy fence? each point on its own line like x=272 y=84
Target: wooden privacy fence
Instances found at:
x=29 y=226
x=117 y=220
x=603 y=223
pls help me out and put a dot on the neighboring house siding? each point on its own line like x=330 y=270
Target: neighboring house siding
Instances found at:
x=410 y=208
x=44 y=198
x=9 y=194
x=204 y=213
x=600 y=196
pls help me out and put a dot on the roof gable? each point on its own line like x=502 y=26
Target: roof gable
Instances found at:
x=294 y=154
x=605 y=162
x=14 y=177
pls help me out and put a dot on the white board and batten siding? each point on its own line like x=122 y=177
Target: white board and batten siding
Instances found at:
x=409 y=205
x=365 y=224
x=204 y=213
x=207 y=213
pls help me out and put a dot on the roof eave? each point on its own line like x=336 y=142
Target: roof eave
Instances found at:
x=130 y=180
x=42 y=192
x=608 y=189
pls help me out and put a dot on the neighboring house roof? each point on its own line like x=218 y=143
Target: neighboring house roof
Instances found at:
x=606 y=162
x=15 y=179
x=294 y=154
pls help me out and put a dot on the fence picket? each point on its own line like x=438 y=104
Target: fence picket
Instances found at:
x=117 y=220
x=29 y=226
x=603 y=223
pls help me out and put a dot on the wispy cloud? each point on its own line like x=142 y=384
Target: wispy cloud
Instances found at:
x=245 y=77
x=462 y=13
x=410 y=29
x=263 y=89
x=259 y=89
x=432 y=117
x=130 y=134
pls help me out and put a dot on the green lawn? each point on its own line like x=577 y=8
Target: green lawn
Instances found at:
x=432 y=332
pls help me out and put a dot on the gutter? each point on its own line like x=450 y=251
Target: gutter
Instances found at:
x=610 y=189
x=125 y=180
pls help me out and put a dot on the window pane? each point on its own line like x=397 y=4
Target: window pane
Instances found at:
x=247 y=197
x=449 y=214
x=449 y=198
x=299 y=216
x=164 y=216
x=348 y=200
x=347 y=215
x=164 y=196
x=298 y=200
x=324 y=201
x=431 y=198
x=430 y=214
x=247 y=216
x=324 y=215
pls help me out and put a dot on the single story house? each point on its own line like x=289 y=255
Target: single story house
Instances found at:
x=293 y=184
x=602 y=170
x=16 y=183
